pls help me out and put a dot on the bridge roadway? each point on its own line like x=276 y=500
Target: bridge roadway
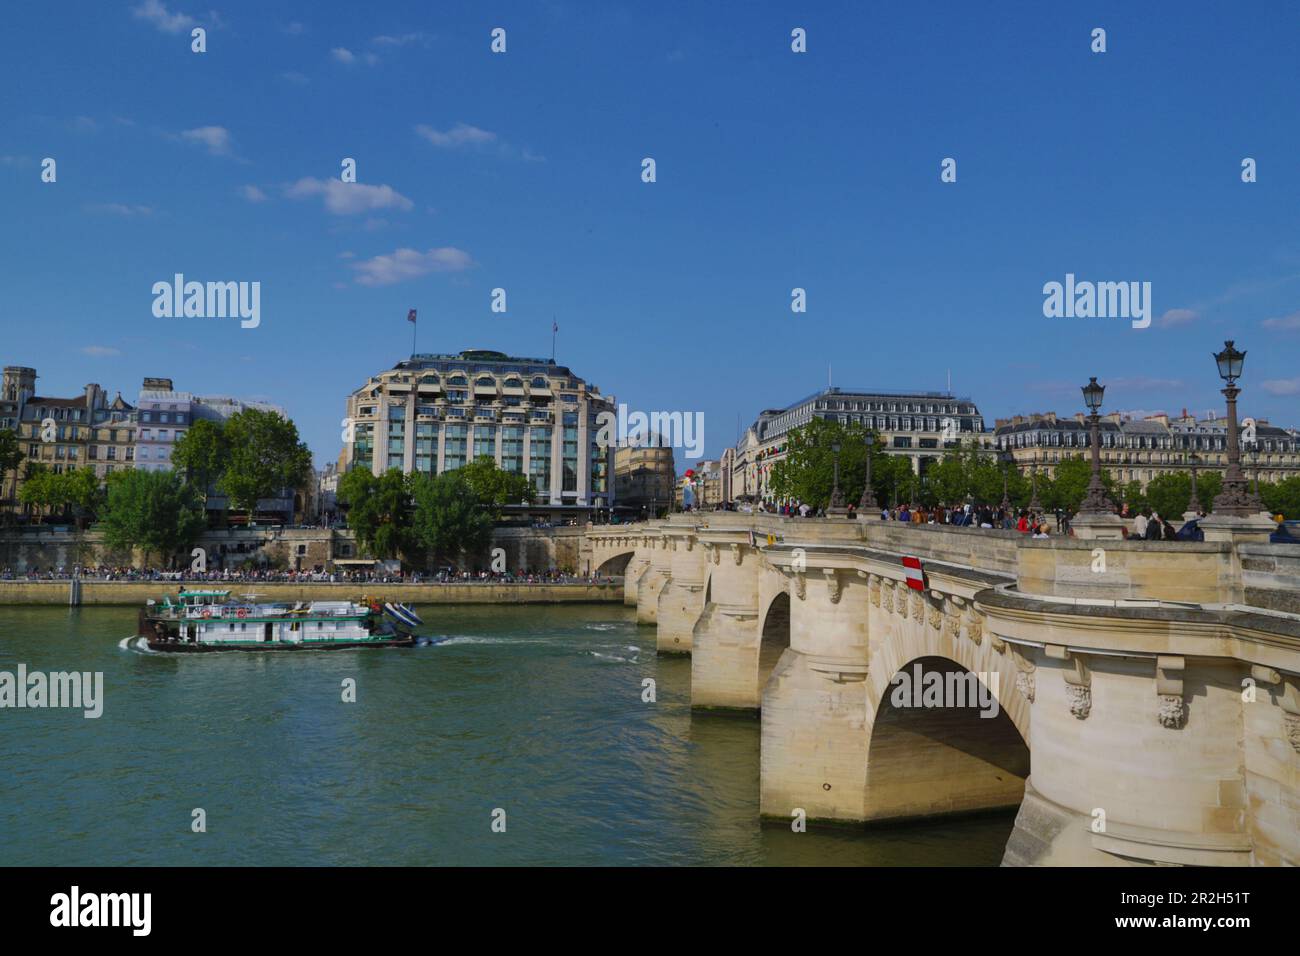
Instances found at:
x=1147 y=693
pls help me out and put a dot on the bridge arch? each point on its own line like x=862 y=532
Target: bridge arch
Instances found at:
x=774 y=637
x=941 y=742
x=615 y=565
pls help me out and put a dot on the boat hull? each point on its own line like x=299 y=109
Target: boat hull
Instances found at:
x=190 y=647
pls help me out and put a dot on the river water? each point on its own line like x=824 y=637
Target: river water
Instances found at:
x=534 y=711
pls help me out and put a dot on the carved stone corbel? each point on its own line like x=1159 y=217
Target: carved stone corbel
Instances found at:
x=918 y=606
x=834 y=587
x=1024 y=675
x=1078 y=680
x=873 y=589
x=1169 y=686
x=1289 y=700
x=936 y=616
x=800 y=588
x=952 y=625
x=887 y=595
x=974 y=626
x=737 y=554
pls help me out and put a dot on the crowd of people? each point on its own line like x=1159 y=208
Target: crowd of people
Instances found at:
x=314 y=576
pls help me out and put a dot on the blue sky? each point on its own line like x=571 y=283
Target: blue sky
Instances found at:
x=775 y=170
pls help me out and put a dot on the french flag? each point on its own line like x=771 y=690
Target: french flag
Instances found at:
x=915 y=573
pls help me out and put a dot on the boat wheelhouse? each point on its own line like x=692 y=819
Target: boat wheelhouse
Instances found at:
x=203 y=620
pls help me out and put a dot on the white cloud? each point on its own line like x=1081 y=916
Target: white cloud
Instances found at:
x=100 y=351
x=252 y=194
x=293 y=29
x=118 y=209
x=461 y=134
x=400 y=40
x=1144 y=383
x=215 y=138
x=1284 y=323
x=1281 y=386
x=405 y=264
x=156 y=13
x=346 y=199
x=1175 y=317
x=343 y=55
x=294 y=77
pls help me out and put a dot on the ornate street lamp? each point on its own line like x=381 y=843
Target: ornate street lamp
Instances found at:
x=1234 y=499
x=1035 y=506
x=837 y=497
x=1006 y=458
x=868 y=500
x=1195 y=504
x=1095 y=501
x=1254 y=467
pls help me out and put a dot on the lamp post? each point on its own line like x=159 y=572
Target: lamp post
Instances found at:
x=1254 y=467
x=1195 y=504
x=1234 y=499
x=1035 y=506
x=1006 y=458
x=837 y=497
x=1095 y=501
x=868 y=500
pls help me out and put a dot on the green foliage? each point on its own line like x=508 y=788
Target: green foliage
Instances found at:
x=1069 y=484
x=378 y=509
x=449 y=519
x=807 y=473
x=76 y=488
x=1138 y=500
x=152 y=510
x=415 y=516
x=201 y=454
x=495 y=487
x=1169 y=494
x=11 y=455
x=1282 y=497
x=263 y=456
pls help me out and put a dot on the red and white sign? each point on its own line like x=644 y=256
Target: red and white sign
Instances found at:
x=915 y=573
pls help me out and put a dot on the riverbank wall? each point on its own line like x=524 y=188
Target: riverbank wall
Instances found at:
x=138 y=592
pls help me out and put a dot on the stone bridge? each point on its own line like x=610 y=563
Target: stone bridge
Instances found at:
x=1139 y=702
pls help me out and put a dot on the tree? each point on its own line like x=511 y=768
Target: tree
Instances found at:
x=1069 y=484
x=11 y=457
x=1282 y=497
x=263 y=457
x=201 y=454
x=40 y=487
x=81 y=490
x=448 y=519
x=378 y=510
x=807 y=472
x=494 y=487
x=1169 y=494
x=155 y=511
x=1138 y=500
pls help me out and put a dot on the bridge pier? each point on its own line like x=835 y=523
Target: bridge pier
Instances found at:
x=816 y=704
x=681 y=602
x=653 y=579
x=725 y=641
